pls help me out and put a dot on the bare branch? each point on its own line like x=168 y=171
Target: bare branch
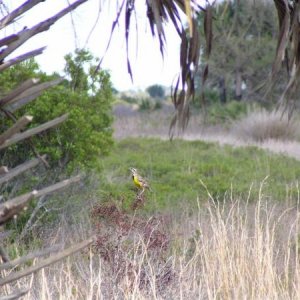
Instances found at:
x=16 y=295
x=21 y=58
x=3 y=255
x=49 y=261
x=8 y=39
x=19 y=90
x=32 y=255
x=20 y=169
x=57 y=186
x=14 y=206
x=16 y=128
x=3 y=170
x=26 y=33
x=31 y=94
x=18 y=12
x=33 y=131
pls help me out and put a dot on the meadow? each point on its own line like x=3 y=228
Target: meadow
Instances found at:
x=221 y=222
x=182 y=171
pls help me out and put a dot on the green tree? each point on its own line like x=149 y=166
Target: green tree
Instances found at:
x=156 y=91
x=86 y=95
x=244 y=38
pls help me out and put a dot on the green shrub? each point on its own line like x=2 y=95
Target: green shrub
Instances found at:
x=211 y=98
x=87 y=96
x=157 y=105
x=145 y=104
x=174 y=170
x=219 y=113
x=156 y=91
x=129 y=99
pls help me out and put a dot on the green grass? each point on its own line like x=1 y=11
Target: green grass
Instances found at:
x=175 y=169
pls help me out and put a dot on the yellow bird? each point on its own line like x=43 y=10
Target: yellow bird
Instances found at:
x=138 y=180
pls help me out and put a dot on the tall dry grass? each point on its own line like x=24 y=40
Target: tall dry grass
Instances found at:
x=157 y=124
x=269 y=130
x=228 y=250
x=261 y=125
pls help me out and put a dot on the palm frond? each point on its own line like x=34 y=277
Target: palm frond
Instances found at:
x=288 y=43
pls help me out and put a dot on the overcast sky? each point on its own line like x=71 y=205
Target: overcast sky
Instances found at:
x=147 y=64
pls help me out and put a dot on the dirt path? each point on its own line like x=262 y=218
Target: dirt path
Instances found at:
x=157 y=125
x=288 y=148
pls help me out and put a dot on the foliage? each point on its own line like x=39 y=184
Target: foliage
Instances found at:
x=216 y=112
x=86 y=96
x=174 y=170
x=156 y=91
x=242 y=45
x=129 y=99
x=15 y=75
x=211 y=97
x=147 y=104
x=220 y=113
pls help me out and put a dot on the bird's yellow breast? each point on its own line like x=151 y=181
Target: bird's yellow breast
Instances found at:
x=136 y=181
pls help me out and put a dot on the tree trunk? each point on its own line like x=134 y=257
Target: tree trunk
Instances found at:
x=238 y=85
x=222 y=90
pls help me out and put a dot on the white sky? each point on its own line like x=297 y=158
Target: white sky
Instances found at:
x=147 y=64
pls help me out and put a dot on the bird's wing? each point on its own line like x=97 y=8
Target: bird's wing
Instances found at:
x=143 y=181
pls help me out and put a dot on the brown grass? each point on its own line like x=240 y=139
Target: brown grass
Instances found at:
x=228 y=250
x=157 y=124
x=259 y=128
x=262 y=125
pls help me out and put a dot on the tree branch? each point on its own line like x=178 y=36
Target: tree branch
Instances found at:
x=31 y=93
x=49 y=261
x=18 y=11
x=3 y=170
x=20 y=169
x=21 y=58
x=14 y=206
x=26 y=33
x=16 y=128
x=33 y=131
x=32 y=255
x=4 y=255
x=19 y=90
x=16 y=295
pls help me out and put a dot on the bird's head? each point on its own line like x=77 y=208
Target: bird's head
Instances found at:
x=133 y=170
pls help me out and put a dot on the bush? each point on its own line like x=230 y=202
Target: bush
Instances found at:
x=87 y=96
x=145 y=104
x=219 y=113
x=211 y=98
x=156 y=91
x=262 y=125
x=129 y=99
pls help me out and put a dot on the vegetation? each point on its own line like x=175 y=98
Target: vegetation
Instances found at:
x=225 y=249
x=220 y=250
x=243 y=38
x=156 y=91
x=85 y=95
x=175 y=171
x=260 y=125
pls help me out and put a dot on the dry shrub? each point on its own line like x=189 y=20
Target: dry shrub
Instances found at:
x=228 y=250
x=263 y=125
x=153 y=124
x=123 y=237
